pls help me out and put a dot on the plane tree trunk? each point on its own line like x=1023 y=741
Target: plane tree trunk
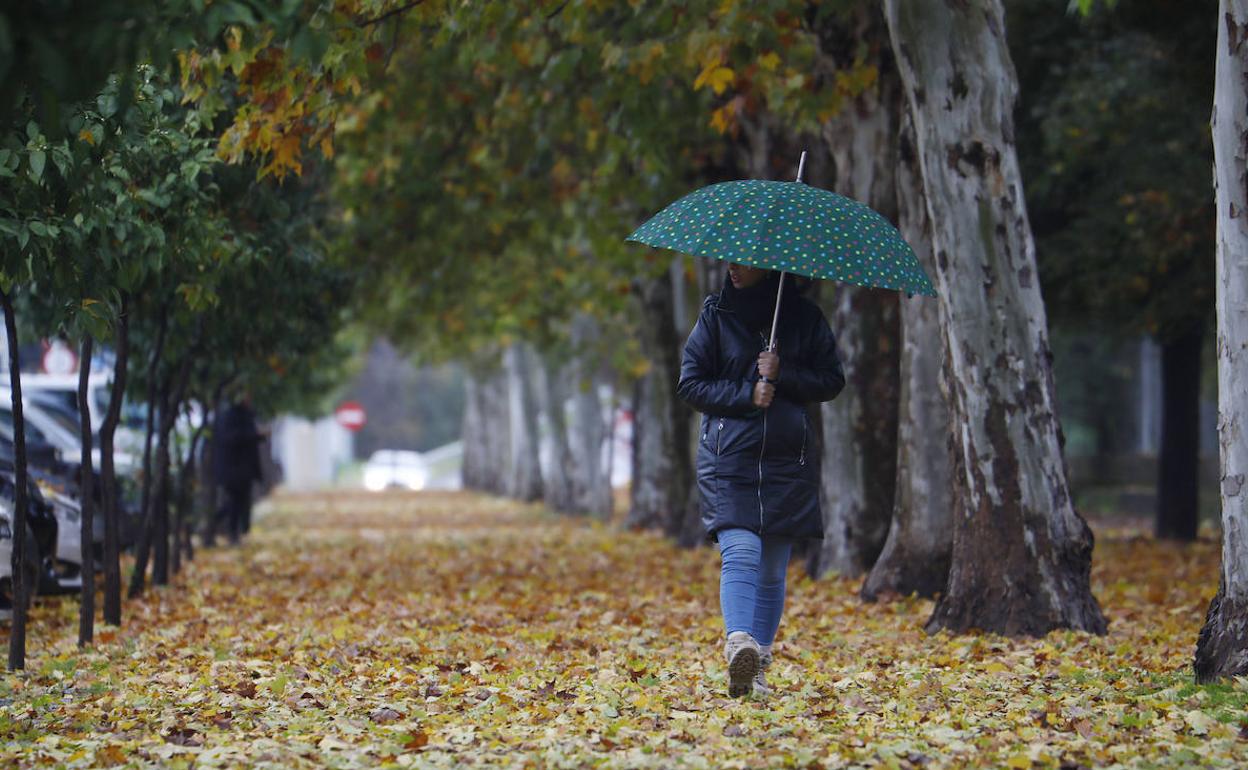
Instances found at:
x=1021 y=554
x=915 y=559
x=1222 y=649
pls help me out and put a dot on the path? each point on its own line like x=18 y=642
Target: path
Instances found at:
x=444 y=630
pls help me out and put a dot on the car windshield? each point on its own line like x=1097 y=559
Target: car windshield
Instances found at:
x=66 y=421
x=6 y=421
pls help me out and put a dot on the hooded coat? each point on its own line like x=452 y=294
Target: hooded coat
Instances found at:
x=759 y=469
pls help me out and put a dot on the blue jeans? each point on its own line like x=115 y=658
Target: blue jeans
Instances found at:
x=751 y=582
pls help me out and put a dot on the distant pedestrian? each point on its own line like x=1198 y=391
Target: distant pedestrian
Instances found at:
x=758 y=453
x=236 y=464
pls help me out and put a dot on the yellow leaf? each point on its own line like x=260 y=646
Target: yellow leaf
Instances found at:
x=716 y=76
x=996 y=667
x=87 y=137
x=1020 y=761
x=769 y=61
x=327 y=148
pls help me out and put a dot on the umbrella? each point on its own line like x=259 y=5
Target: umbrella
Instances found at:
x=791 y=227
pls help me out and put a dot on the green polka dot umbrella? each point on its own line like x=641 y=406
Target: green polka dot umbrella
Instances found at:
x=791 y=227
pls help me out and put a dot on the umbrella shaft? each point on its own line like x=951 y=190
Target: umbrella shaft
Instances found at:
x=775 y=318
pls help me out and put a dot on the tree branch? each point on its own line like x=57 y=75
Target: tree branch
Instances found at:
x=388 y=14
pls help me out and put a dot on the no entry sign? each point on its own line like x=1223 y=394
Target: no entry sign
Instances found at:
x=350 y=415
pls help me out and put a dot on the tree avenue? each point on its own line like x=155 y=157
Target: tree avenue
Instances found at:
x=237 y=196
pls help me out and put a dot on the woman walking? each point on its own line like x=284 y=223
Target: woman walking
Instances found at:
x=758 y=456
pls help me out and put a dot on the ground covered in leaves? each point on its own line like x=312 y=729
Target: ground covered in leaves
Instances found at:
x=447 y=630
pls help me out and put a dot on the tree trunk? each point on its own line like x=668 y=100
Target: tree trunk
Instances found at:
x=860 y=427
x=151 y=531
x=591 y=480
x=557 y=473
x=208 y=482
x=145 y=508
x=859 y=463
x=86 y=499
x=662 y=454
x=473 y=470
x=108 y=474
x=1178 y=467
x=1021 y=554
x=486 y=431
x=175 y=530
x=915 y=559
x=186 y=498
x=173 y=394
x=524 y=472
x=21 y=591
x=154 y=538
x=1222 y=650
x=160 y=512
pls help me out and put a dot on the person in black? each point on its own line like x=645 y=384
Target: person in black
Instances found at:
x=758 y=453
x=236 y=464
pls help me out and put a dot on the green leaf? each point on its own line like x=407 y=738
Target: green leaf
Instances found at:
x=107 y=104
x=37 y=159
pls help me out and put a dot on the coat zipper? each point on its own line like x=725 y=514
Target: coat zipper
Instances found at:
x=761 y=449
x=801 y=460
x=719 y=437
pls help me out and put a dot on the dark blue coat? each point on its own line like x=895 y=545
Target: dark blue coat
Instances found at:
x=759 y=469
x=236 y=447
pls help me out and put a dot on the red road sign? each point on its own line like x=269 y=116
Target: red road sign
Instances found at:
x=350 y=415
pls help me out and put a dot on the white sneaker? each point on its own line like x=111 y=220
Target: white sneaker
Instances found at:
x=743 y=663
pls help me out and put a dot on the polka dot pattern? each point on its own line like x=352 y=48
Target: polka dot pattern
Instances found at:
x=792 y=227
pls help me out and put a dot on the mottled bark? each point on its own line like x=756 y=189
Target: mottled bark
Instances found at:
x=1222 y=650
x=1021 y=554
x=591 y=476
x=662 y=454
x=860 y=426
x=486 y=431
x=915 y=559
x=524 y=472
x=859 y=463
x=1178 y=463
x=556 y=470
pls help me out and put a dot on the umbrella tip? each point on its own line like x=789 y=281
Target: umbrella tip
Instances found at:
x=801 y=165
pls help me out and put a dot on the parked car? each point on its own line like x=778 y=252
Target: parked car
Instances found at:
x=41 y=542
x=395 y=469
x=6 y=560
x=56 y=426
x=60 y=392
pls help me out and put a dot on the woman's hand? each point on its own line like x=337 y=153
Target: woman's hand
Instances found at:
x=764 y=392
x=769 y=365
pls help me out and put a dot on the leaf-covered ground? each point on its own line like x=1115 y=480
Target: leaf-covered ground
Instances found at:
x=446 y=630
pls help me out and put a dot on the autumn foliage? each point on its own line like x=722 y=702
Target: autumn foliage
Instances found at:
x=441 y=630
